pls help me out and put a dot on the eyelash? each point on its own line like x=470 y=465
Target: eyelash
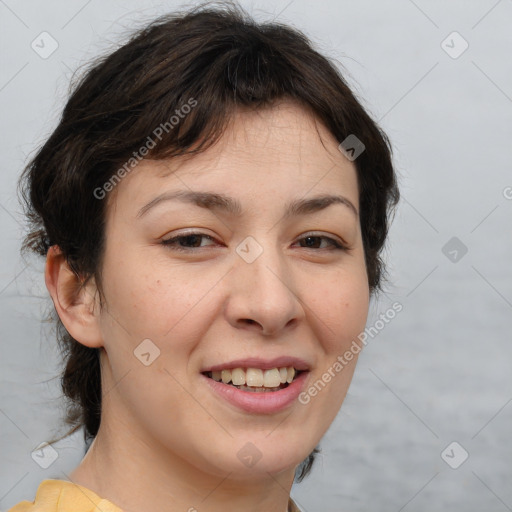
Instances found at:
x=171 y=242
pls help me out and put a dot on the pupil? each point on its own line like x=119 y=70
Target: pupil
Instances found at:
x=188 y=238
x=310 y=239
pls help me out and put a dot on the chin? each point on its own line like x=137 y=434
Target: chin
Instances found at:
x=264 y=456
x=255 y=457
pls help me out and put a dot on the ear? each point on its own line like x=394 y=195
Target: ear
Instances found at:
x=76 y=304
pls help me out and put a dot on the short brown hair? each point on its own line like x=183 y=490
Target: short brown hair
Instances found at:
x=224 y=59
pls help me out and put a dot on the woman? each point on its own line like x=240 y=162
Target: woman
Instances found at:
x=212 y=208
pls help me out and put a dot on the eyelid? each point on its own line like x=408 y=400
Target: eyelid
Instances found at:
x=329 y=236
x=184 y=234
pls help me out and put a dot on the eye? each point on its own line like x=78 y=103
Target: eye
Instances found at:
x=192 y=241
x=186 y=242
x=312 y=240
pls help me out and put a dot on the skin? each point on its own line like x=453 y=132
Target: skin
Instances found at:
x=166 y=441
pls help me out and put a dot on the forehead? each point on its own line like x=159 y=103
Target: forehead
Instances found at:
x=266 y=154
x=280 y=132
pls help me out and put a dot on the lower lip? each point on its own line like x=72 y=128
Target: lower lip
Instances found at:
x=265 y=402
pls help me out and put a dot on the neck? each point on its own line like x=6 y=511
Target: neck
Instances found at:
x=139 y=476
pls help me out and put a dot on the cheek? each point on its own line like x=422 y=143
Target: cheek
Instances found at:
x=340 y=303
x=154 y=301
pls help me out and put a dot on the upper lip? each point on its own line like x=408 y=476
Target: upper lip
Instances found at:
x=263 y=364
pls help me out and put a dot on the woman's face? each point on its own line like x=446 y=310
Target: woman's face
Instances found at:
x=254 y=279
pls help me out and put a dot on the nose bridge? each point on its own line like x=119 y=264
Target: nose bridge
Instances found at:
x=263 y=289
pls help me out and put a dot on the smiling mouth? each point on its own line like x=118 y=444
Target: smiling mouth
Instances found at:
x=255 y=379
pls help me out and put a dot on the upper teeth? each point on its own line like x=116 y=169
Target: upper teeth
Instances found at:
x=255 y=376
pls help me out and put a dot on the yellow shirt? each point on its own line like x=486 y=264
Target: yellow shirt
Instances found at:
x=63 y=496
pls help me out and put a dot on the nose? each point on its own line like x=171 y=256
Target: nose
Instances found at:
x=263 y=295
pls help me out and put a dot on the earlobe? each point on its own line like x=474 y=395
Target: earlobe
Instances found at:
x=75 y=303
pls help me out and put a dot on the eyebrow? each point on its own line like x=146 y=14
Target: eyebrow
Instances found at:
x=220 y=202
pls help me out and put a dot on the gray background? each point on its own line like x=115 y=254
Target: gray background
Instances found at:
x=441 y=371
